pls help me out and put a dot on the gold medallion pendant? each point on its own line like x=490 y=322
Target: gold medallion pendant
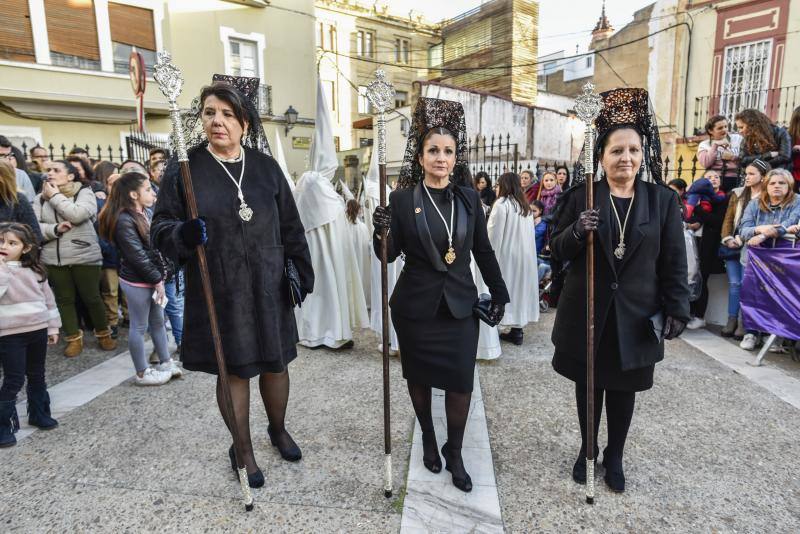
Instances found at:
x=450 y=256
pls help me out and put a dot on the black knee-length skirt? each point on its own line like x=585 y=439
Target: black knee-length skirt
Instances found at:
x=439 y=353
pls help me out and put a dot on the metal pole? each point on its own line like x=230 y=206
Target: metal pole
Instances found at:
x=170 y=82
x=588 y=106
x=381 y=94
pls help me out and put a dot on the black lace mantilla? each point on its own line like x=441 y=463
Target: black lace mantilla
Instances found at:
x=432 y=113
x=627 y=107
x=255 y=137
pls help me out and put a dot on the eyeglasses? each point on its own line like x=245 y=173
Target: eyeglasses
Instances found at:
x=10 y=155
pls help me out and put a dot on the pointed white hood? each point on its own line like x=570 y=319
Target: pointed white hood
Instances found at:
x=280 y=157
x=323 y=151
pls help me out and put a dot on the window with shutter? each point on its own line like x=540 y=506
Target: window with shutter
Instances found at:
x=16 y=36
x=72 y=32
x=132 y=27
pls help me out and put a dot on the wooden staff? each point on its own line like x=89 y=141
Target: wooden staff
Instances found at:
x=170 y=81
x=381 y=94
x=587 y=107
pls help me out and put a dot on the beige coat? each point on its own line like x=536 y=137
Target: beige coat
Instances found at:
x=77 y=246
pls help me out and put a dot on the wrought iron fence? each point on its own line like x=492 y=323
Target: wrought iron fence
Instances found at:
x=137 y=147
x=777 y=103
x=494 y=157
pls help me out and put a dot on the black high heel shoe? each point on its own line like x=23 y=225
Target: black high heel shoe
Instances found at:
x=579 y=469
x=434 y=466
x=256 y=480
x=614 y=476
x=463 y=483
x=291 y=453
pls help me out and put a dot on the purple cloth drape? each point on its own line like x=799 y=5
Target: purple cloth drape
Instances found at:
x=770 y=294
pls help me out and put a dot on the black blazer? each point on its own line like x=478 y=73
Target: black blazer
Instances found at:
x=652 y=276
x=426 y=278
x=135 y=256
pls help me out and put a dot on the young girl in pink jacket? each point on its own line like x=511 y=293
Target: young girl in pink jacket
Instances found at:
x=29 y=321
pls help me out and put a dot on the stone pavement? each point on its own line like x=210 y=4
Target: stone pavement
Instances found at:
x=709 y=451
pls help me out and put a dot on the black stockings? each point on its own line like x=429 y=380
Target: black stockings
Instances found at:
x=619 y=412
x=456 y=407
x=274 y=388
x=240 y=395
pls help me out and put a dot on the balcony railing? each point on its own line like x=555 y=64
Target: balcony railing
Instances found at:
x=265 y=99
x=777 y=103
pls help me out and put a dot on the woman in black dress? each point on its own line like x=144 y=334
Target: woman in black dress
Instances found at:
x=438 y=224
x=641 y=289
x=250 y=228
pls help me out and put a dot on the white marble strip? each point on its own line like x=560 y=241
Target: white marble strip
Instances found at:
x=81 y=389
x=774 y=380
x=432 y=503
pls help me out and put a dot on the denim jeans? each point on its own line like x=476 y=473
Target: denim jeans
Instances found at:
x=22 y=355
x=174 y=309
x=735 y=271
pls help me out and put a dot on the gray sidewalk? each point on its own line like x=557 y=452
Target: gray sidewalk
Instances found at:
x=146 y=459
x=708 y=450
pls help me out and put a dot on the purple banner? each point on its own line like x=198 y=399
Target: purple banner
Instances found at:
x=770 y=294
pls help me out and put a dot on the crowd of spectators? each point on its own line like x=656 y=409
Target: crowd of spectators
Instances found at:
x=61 y=201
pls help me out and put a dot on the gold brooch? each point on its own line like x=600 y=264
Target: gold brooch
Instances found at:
x=417 y=210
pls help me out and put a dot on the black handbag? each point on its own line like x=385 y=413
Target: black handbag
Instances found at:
x=293 y=279
x=482 y=307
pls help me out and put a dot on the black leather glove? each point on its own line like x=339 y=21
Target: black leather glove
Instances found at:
x=193 y=233
x=587 y=222
x=382 y=217
x=496 y=312
x=673 y=327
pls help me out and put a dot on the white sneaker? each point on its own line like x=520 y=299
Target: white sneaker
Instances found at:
x=748 y=342
x=171 y=367
x=153 y=377
x=696 y=323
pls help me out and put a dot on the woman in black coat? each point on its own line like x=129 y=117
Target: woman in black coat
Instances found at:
x=640 y=276
x=438 y=226
x=250 y=228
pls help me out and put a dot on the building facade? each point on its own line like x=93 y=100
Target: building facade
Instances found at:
x=64 y=65
x=492 y=49
x=353 y=40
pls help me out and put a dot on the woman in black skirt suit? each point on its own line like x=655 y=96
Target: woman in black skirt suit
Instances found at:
x=438 y=225
x=641 y=289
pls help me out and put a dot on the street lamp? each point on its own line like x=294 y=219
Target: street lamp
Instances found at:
x=291 y=119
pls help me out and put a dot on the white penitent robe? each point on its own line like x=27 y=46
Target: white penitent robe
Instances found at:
x=513 y=238
x=392 y=269
x=488 y=336
x=337 y=305
x=362 y=248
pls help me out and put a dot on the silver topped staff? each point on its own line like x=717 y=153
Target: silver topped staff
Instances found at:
x=381 y=95
x=587 y=108
x=170 y=81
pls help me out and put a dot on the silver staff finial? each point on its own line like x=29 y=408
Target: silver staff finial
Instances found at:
x=169 y=80
x=168 y=77
x=380 y=92
x=588 y=104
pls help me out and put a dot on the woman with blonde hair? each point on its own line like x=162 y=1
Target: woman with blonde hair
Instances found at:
x=768 y=219
x=14 y=207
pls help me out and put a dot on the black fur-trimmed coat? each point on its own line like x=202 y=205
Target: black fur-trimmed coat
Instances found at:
x=246 y=261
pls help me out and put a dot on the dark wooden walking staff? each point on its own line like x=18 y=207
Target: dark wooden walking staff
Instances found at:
x=587 y=107
x=170 y=81
x=381 y=94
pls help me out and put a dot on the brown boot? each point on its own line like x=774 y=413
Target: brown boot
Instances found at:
x=105 y=340
x=730 y=327
x=74 y=345
x=740 y=331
